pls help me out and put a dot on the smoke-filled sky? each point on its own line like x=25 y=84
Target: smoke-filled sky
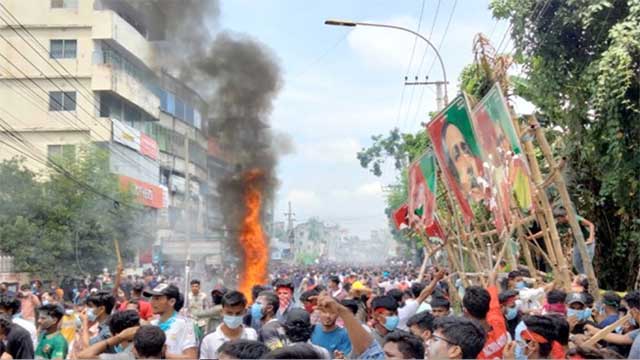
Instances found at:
x=342 y=85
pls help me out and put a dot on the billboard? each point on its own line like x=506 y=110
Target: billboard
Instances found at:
x=146 y=194
x=458 y=153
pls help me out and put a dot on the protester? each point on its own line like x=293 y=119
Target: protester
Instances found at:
x=334 y=287
x=51 y=344
x=99 y=307
x=483 y=305
x=284 y=289
x=298 y=330
x=15 y=341
x=11 y=307
x=234 y=305
x=421 y=325
x=400 y=344
x=181 y=341
x=123 y=325
x=456 y=338
x=540 y=337
x=385 y=317
x=578 y=314
x=144 y=307
x=510 y=310
x=440 y=306
x=28 y=303
x=265 y=308
x=198 y=301
x=329 y=336
x=242 y=349
x=610 y=309
x=212 y=315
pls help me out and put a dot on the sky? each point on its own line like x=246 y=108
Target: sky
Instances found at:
x=343 y=85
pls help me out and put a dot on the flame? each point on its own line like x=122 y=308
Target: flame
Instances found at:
x=253 y=242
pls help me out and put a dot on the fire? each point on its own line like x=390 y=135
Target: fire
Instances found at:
x=253 y=242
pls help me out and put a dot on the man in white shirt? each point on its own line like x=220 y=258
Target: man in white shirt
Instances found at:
x=234 y=305
x=10 y=305
x=167 y=301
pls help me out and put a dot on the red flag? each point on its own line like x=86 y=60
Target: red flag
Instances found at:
x=400 y=217
x=435 y=230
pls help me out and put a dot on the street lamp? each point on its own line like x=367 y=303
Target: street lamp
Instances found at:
x=356 y=23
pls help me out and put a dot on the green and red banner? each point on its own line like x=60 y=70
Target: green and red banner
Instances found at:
x=458 y=153
x=506 y=170
x=422 y=191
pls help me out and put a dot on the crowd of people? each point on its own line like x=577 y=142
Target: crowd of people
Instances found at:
x=320 y=312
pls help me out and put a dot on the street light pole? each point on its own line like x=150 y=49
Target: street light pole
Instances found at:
x=356 y=23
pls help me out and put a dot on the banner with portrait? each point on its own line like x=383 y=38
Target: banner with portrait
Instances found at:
x=458 y=153
x=505 y=168
x=422 y=191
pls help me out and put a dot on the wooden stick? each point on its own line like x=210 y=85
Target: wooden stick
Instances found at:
x=527 y=253
x=606 y=331
x=117 y=246
x=568 y=205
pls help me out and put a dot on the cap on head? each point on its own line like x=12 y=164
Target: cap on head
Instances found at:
x=573 y=298
x=170 y=291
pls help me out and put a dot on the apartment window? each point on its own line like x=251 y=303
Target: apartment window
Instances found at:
x=65 y=151
x=63 y=49
x=180 y=109
x=64 y=4
x=62 y=101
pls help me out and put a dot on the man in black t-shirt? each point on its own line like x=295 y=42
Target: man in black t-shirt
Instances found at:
x=14 y=339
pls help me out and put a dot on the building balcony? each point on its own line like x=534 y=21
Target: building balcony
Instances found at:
x=108 y=78
x=118 y=33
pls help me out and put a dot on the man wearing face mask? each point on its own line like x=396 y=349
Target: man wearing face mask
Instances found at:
x=99 y=307
x=271 y=332
x=234 y=305
x=123 y=325
x=510 y=310
x=212 y=315
x=167 y=301
x=578 y=315
x=51 y=344
x=385 y=317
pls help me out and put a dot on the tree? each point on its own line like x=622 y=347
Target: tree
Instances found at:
x=581 y=61
x=58 y=227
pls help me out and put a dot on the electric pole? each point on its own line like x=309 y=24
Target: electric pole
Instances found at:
x=290 y=233
x=187 y=206
x=440 y=98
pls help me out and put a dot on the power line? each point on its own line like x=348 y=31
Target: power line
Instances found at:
x=446 y=30
x=413 y=89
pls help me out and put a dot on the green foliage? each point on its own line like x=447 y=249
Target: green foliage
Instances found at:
x=400 y=148
x=582 y=70
x=55 y=227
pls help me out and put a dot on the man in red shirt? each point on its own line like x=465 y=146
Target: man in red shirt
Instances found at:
x=483 y=305
x=144 y=307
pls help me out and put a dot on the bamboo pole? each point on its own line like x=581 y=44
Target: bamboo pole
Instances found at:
x=606 y=331
x=566 y=200
x=527 y=253
x=456 y=265
x=547 y=221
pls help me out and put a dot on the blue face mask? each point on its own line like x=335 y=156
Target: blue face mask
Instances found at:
x=233 y=322
x=633 y=322
x=91 y=314
x=256 y=311
x=581 y=315
x=521 y=285
x=118 y=348
x=512 y=313
x=391 y=323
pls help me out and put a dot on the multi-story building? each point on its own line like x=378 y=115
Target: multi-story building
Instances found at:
x=85 y=71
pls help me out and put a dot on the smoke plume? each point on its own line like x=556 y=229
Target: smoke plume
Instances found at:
x=240 y=78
